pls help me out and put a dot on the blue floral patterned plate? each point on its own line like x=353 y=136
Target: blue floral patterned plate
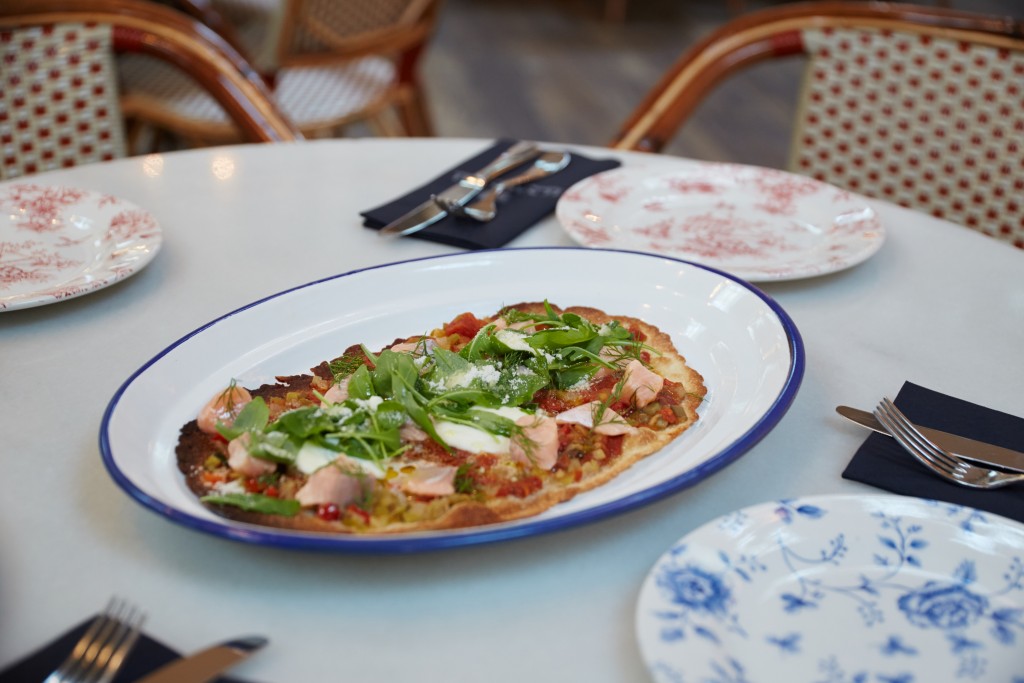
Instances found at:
x=839 y=589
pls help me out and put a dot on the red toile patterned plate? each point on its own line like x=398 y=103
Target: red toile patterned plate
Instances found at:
x=757 y=223
x=60 y=242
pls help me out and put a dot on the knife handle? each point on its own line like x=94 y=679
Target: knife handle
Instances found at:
x=517 y=154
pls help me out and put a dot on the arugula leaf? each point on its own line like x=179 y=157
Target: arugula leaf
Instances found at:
x=447 y=363
x=302 y=423
x=480 y=346
x=360 y=383
x=274 y=446
x=560 y=337
x=389 y=415
x=464 y=482
x=393 y=369
x=252 y=417
x=256 y=502
x=463 y=399
x=480 y=419
x=571 y=377
x=518 y=382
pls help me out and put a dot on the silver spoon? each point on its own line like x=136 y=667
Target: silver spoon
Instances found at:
x=485 y=208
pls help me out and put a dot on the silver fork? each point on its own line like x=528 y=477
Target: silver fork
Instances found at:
x=937 y=459
x=103 y=647
x=485 y=208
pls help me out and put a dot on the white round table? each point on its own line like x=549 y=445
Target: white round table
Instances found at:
x=938 y=305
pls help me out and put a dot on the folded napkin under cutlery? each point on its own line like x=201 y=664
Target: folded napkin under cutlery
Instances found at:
x=147 y=656
x=520 y=209
x=882 y=462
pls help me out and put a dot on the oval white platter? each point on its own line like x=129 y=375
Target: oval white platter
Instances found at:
x=58 y=243
x=839 y=588
x=745 y=346
x=760 y=224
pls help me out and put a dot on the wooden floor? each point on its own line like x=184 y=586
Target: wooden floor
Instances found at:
x=558 y=70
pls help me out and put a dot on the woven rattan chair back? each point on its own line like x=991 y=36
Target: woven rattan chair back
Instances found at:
x=59 y=84
x=920 y=106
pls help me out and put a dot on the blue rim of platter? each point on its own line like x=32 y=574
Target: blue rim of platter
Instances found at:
x=411 y=543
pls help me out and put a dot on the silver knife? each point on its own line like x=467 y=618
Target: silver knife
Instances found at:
x=462 y=192
x=207 y=664
x=969 y=449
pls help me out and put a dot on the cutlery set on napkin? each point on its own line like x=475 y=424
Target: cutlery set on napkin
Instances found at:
x=437 y=210
x=149 y=661
x=973 y=432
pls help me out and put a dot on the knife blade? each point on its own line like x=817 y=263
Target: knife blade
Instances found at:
x=969 y=449
x=462 y=192
x=207 y=664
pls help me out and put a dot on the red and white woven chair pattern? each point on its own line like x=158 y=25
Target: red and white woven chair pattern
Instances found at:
x=920 y=120
x=59 y=99
x=920 y=106
x=56 y=111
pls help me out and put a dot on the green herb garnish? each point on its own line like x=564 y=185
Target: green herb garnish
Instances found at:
x=256 y=502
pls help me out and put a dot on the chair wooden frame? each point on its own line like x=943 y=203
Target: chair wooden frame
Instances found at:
x=406 y=40
x=403 y=43
x=775 y=32
x=172 y=36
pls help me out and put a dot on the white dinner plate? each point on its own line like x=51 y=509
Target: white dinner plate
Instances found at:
x=879 y=588
x=57 y=243
x=759 y=224
x=745 y=346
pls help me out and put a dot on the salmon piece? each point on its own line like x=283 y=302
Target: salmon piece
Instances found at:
x=541 y=432
x=428 y=479
x=224 y=407
x=337 y=393
x=641 y=385
x=410 y=431
x=240 y=461
x=330 y=485
x=611 y=424
x=424 y=345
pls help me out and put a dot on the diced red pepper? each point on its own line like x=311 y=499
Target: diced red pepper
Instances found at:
x=465 y=325
x=358 y=512
x=211 y=478
x=521 y=488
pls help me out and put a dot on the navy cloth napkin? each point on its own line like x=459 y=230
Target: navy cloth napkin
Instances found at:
x=882 y=462
x=518 y=209
x=147 y=656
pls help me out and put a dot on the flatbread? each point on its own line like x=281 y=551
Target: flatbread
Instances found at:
x=488 y=487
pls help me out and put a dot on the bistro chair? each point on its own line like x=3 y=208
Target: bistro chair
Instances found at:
x=330 y=64
x=59 y=90
x=922 y=106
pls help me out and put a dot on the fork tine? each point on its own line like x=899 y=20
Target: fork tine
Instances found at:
x=101 y=650
x=78 y=651
x=911 y=440
x=929 y=450
x=908 y=445
x=937 y=459
x=128 y=624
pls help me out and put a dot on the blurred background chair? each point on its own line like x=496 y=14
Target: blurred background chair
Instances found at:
x=921 y=106
x=330 y=63
x=59 y=90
